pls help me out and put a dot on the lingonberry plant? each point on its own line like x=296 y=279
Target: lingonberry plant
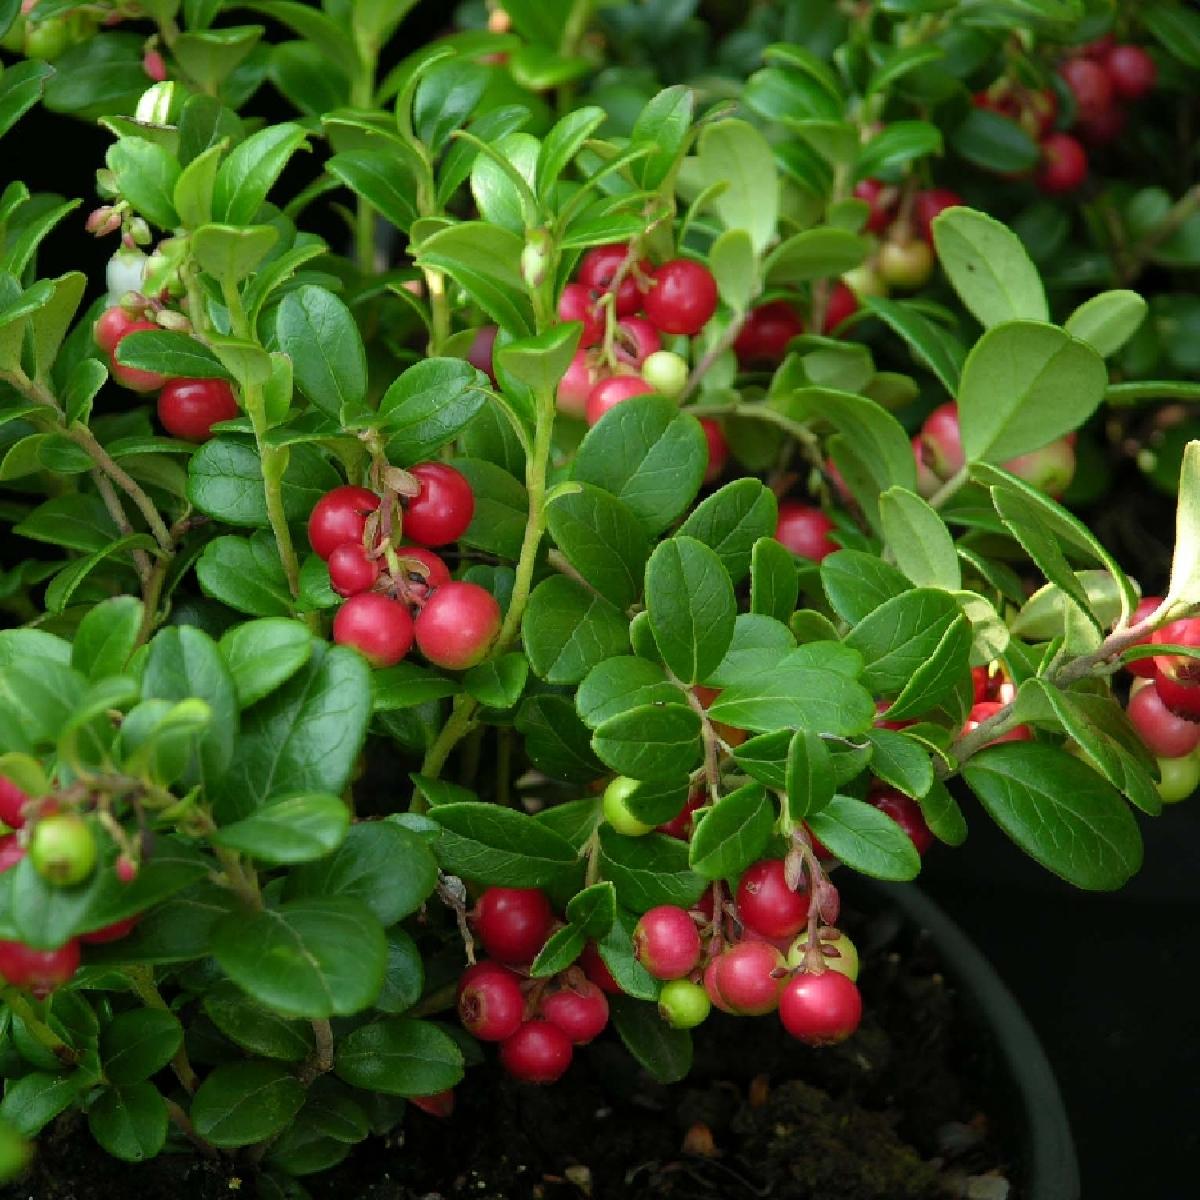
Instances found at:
x=514 y=626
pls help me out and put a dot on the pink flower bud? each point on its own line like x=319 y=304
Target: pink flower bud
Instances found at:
x=154 y=66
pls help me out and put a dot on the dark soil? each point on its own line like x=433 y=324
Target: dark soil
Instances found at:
x=908 y=1109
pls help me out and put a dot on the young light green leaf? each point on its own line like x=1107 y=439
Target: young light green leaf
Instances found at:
x=1185 y=565
x=1107 y=321
x=919 y=540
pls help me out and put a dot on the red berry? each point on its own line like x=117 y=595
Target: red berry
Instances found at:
x=596 y=271
x=880 y=216
x=842 y=305
x=111 y=933
x=820 y=1010
x=513 y=923
x=710 y=986
x=1104 y=128
x=126 y=869
x=1143 y=667
x=748 y=977
x=682 y=296
x=580 y=1011
x=989 y=708
x=340 y=516
x=596 y=969
x=457 y=625
x=575 y=386
x=666 y=942
x=929 y=204
x=133 y=378
x=1181 y=698
x=480 y=354
x=376 y=626
x=1131 y=71
x=539 y=1052
x=718 y=449
x=189 y=408
x=766 y=332
x=608 y=393
x=804 y=530
x=12 y=800
x=1164 y=734
x=906 y=813
x=442 y=510
x=352 y=570
x=1090 y=84
x=941 y=441
x=41 y=971
x=1049 y=469
x=576 y=304
x=765 y=902
x=11 y=852
x=680 y=825
x=439 y=1104
x=491 y=1005
x=437 y=573
x=154 y=65
x=1178 y=666
x=113 y=324
x=980 y=683
x=1064 y=164
x=636 y=340
x=927 y=482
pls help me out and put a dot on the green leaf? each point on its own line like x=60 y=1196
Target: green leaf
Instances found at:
x=246 y=575
x=146 y=175
x=602 y=540
x=556 y=740
x=229 y=252
x=399 y=1057
x=995 y=143
x=689 y=597
x=943 y=816
x=649 y=455
x=900 y=635
x=733 y=152
x=130 y=1122
x=932 y=345
x=919 y=540
x=594 y=909
x=621 y=683
x=255 y=1028
x=810 y=697
x=295 y=830
x=405 y=977
x=895 y=146
x=562 y=143
x=988 y=267
x=262 y=655
x=616 y=951
x=306 y=958
x=1107 y=321
x=651 y=742
x=107 y=636
x=382 y=178
x=304 y=737
x=735 y=269
x=774 y=582
x=732 y=520
x=177 y=355
x=866 y=839
x=1059 y=811
x=387 y=867
x=99 y=76
x=250 y=171
x=498 y=683
x=183 y=663
x=1023 y=385
x=648 y=871
x=809 y=778
x=733 y=834
x=662 y=125
x=567 y=630
x=138 y=1044
x=225 y=481
x=501 y=508
x=815 y=254
x=428 y=406
x=665 y=1052
x=20 y=89
x=759 y=644
x=245 y=1102
x=406 y=685
x=316 y=330
x=499 y=846
x=901 y=762
x=562 y=948
x=34 y=1100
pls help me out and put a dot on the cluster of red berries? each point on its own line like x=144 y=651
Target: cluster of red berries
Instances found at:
x=396 y=595
x=187 y=408
x=63 y=850
x=903 y=223
x=1100 y=78
x=1164 y=703
x=537 y=1022
x=939 y=455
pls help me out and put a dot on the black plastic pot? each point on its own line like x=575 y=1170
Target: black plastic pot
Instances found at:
x=1049 y=1166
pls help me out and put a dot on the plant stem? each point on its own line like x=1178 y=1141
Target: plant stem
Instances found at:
x=183 y=1123
x=116 y=510
x=759 y=412
x=320 y=1061
x=141 y=979
x=1185 y=207
x=710 y=356
x=361 y=95
x=949 y=488
x=41 y=1033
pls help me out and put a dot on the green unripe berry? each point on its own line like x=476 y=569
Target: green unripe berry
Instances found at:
x=14 y=38
x=1178 y=778
x=47 y=39
x=666 y=373
x=63 y=849
x=683 y=1004
x=616 y=808
x=906 y=265
x=846 y=961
